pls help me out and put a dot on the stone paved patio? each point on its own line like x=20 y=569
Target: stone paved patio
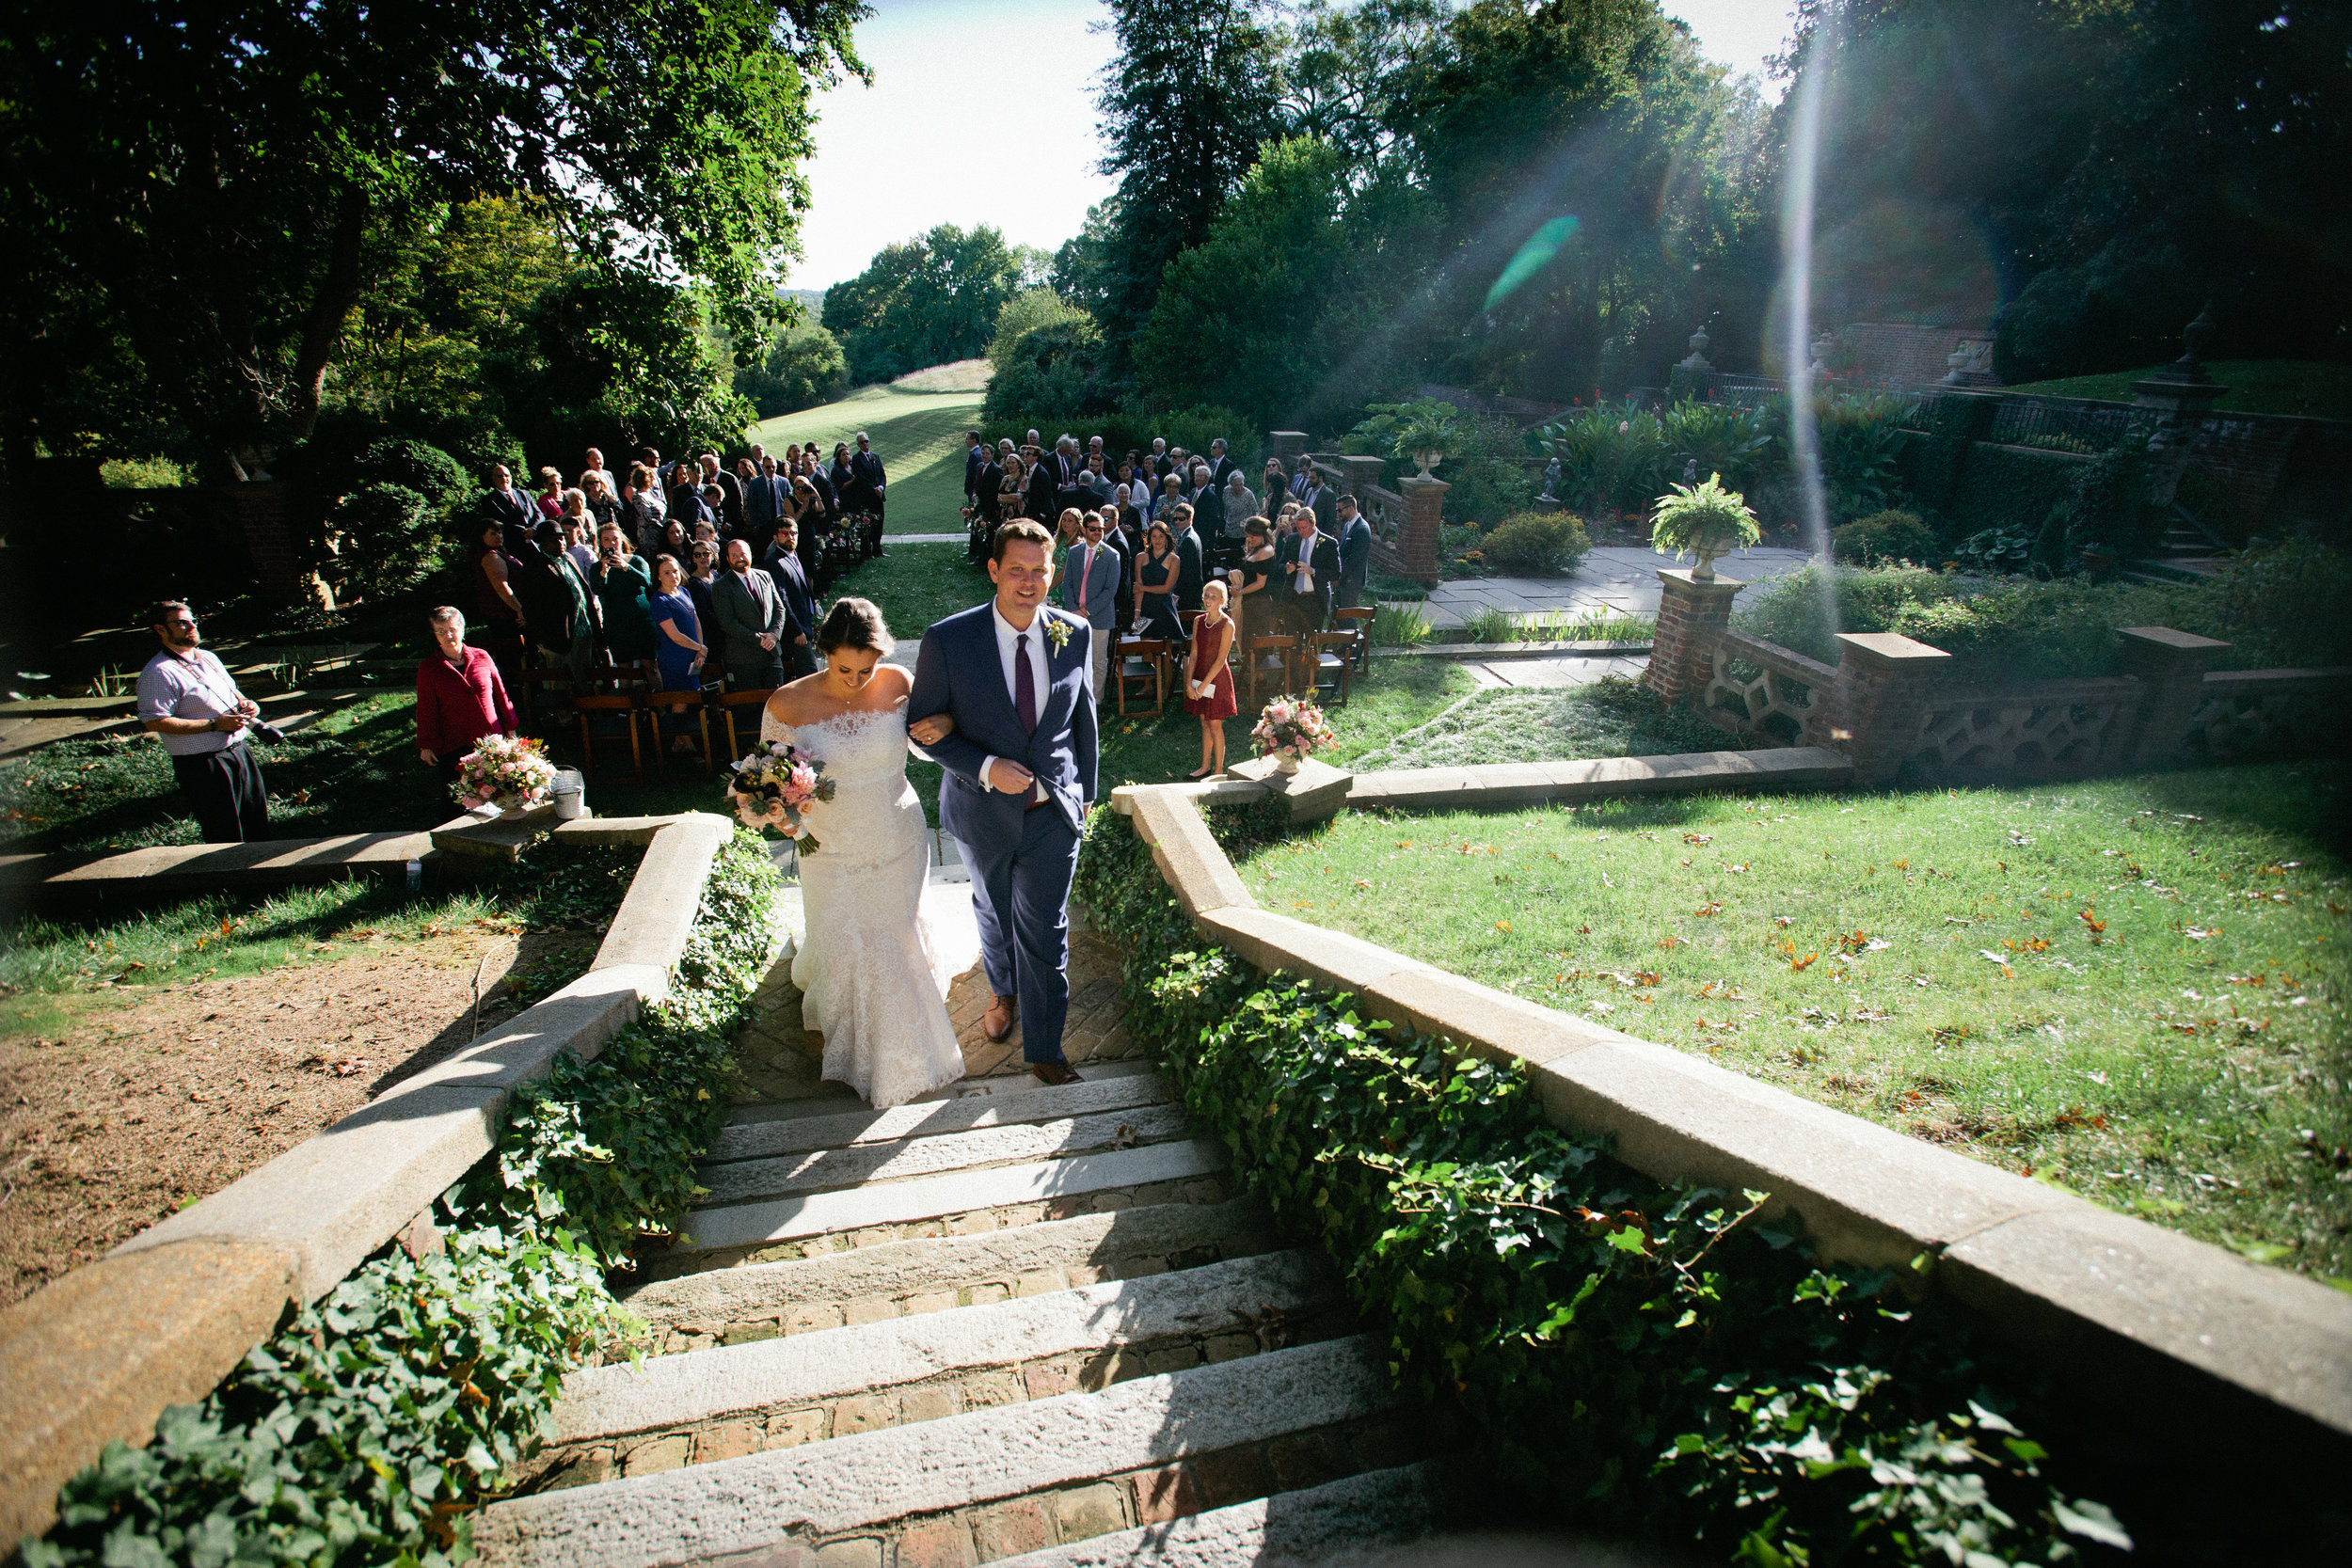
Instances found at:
x=1614 y=577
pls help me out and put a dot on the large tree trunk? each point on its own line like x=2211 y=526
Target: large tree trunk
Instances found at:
x=322 y=326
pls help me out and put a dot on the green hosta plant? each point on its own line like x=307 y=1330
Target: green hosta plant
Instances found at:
x=1701 y=520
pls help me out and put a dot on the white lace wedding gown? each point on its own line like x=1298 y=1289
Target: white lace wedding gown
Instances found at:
x=873 y=980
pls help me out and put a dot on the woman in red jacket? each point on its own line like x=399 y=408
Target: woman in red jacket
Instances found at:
x=459 y=696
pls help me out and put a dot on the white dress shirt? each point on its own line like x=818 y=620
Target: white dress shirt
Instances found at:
x=192 y=686
x=1007 y=634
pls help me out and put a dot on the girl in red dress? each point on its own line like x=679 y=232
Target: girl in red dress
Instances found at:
x=1209 y=680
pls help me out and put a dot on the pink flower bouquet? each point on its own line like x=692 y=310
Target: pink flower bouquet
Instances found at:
x=1290 y=727
x=505 y=772
x=774 y=787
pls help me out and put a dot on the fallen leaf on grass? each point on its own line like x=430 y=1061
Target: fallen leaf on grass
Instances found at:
x=2092 y=920
x=1699 y=838
x=1800 y=964
x=1502 y=926
x=1716 y=908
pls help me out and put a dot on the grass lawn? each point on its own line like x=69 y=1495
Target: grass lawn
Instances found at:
x=919 y=435
x=2131 y=989
x=1610 y=718
x=2319 y=390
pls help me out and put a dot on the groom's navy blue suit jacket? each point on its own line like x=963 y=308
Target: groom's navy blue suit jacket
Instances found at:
x=958 y=672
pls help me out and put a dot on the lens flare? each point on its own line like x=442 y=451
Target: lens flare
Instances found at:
x=1796 y=228
x=1531 y=258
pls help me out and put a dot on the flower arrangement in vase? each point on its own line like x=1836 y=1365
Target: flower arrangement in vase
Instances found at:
x=774 y=787
x=1701 y=520
x=507 y=772
x=1287 y=729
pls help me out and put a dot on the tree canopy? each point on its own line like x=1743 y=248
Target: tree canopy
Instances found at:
x=930 y=301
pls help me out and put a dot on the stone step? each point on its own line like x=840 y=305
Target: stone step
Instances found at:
x=756 y=1140
x=834 y=1100
x=1379 y=1508
x=882 y=1212
x=736 y=1400
x=907 y=1159
x=966 y=1487
x=873 y=1284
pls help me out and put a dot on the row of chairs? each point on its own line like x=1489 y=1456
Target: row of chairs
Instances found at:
x=1306 y=663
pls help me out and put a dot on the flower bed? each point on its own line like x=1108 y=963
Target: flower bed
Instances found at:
x=1612 y=1353
x=384 y=1412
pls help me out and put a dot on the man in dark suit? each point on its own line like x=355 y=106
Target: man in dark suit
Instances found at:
x=1066 y=467
x=733 y=519
x=1306 y=569
x=1021 y=770
x=1208 y=513
x=687 y=507
x=1324 y=499
x=1220 y=466
x=1191 y=563
x=765 y=503
x=511 y=507
x=798 y=640
x=1354 y=553
x=872 y=483
x=975 y=459
x=986 y=512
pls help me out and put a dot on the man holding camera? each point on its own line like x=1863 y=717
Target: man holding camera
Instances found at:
x=189 y=700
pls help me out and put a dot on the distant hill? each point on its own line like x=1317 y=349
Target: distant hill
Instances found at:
x=812 y=301
x=964 y=375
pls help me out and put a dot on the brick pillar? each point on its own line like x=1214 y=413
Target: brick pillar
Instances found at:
x=1290 y=446
x=1885 y=685
x=1362 y=474
x=1417 y=541
x=263 y=511
x=2170 y=666
x=1689 y=615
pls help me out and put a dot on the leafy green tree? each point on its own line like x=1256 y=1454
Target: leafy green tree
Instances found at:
x=1185 y=107
x=1053 y=377
x=803 y=367
x=1339 y=69
x=219 y=172
x=930 y=301
x=1024 y=313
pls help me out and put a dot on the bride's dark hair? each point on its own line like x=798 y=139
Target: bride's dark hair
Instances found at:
x=854 y=624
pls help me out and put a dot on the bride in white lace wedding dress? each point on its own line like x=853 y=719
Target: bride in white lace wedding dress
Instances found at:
x=873 y=979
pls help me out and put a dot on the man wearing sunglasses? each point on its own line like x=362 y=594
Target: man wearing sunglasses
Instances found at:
x=189 y=700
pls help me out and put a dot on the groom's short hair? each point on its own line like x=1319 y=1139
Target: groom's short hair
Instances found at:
x=1023 y=529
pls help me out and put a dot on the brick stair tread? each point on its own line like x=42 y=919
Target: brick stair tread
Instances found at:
x=758 y=1140
x=673 y=1391
x=752 y=1225
x=874 y=1478
x=906 y=1158
x=899 y=1269
x=837 y=1099
x=1288 y=1529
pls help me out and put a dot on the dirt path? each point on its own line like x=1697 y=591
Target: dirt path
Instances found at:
x=133 y=1110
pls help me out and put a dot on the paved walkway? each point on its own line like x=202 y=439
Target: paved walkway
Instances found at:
x=1555 y=671
x=1615 y=579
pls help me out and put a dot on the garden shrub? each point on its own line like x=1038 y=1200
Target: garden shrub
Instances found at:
x=382 y=1414
x=405 y=461
x=1885 y=536
x=1537 y=544
x=1608 y=1352
x=390 y=543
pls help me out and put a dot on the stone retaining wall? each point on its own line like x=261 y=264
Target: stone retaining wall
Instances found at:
x=2139 y=1317
x=99 y=1353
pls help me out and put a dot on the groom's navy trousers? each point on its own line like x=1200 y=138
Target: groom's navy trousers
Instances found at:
x=1021 y=859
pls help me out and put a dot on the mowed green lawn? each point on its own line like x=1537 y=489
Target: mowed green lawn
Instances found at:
x=2133 y=989
x=919 y=435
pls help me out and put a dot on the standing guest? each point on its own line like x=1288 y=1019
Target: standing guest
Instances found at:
x=492 y=567
x=800 y=604
x=1252 y=600
x=1126 y=476
x=188 y=698
x=1094 y=481
x=746 y=474
x=575 y=537
x=1013 y=495
x=460 y=697
x=551 y=494
x=575 y=514
x=1303 y=478
x=686 y=505
x=1209 y=680
x=1114 y=534
x=988 y=496
x=1309 y=566
x=702 y=586
x=820 y=482
x=1040 y=502
x=658 y=498
x=1221 y=467
x=1195 y=570
x=844 y=482
x=751 y=613
x=641 y=510
x=1322 y=500
x=1089 y=590
x=1240 y=503
x=727 y=511
x=868 y=466
x=1155 y=461
x=1067 y=465
x=603 y=505
x=556 y=598
x=1274 y=484
x=767 y=499
x=679 y=653
x=1354 y=553
x=593 y=468
x=1208 y=512
x=715 y=500
x=676 y=538
x=507 y=505
x=1171 y=492
x=975 y=459
x=1156 y=578
x=623 y=582
x=1067 y=527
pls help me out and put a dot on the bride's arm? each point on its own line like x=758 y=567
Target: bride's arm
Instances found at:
x=928 y=730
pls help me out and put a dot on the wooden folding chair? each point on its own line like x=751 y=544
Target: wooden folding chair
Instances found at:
x=1267 y=653
x=626 y=705
x=1143 y=659
x=615 y=675
x=1357 y=619
x=1191 y=619
x=1330 y=657
x=679 y=705
x=535 y=676
x=749 y=704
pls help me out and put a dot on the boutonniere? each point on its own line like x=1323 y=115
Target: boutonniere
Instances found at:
x=1058 y=632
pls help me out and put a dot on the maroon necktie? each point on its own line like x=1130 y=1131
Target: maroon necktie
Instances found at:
x=1024 y=685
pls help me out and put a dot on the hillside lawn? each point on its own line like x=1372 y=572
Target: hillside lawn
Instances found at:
x=2315 y=389
x=2130 y=989
x=919 y=434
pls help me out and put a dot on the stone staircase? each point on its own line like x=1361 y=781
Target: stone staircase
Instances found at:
x=1018 y=1324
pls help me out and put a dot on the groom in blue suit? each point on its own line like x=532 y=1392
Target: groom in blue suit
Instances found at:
x=1020 y=775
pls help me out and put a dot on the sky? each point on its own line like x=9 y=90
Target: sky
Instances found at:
x=982 y=111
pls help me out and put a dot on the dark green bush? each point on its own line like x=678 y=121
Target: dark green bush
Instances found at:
x=389 y=541
x=1537 y=544
x=414 y=465
x=1885 y=536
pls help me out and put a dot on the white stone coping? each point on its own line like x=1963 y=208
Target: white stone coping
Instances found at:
x=298 y=1225
x=2144 y=1317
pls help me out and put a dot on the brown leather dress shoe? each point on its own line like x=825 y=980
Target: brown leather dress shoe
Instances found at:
x=997 y=1021
x=1055 y=1073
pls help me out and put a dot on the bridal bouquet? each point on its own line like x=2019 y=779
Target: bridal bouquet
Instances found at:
x=1288 y=729
x=775 y=785
x=505 y=772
